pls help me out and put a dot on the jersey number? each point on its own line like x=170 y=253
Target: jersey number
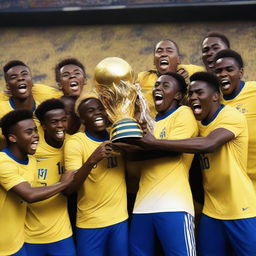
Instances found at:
x=60 y=168
x=204 y=162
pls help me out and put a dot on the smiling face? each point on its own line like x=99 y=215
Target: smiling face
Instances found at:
x=55 y=125
x=203 y=100
x=230 y=75
x=93 y=116
x=25 y=136
x=72 y=80
x=166 y=57
x=210 y=46
x=19 y=82
x=166 y=94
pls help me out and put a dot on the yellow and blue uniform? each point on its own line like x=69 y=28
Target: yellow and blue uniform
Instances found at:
x=164 y=192
x=12 y=207
x=47 y=222
x=230 y=199
x=147 y=80
x=101 y=199
x=245 y=101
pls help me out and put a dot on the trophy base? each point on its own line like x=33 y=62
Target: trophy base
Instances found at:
x=125 y=129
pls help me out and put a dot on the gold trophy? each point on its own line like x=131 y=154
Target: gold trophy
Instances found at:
x=114 y=82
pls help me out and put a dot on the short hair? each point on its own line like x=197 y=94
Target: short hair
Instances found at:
x=181 y=81
x=11 y=64
x=46 y=106
x=211 y=79
x=219 y=35
x=177 y=47
x=228 y=53
x=68 y=61
x=12 y=118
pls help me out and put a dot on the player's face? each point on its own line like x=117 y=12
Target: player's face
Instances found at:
x=166 y=58
x=25 y=136
x=72 y=80
x=210 y=46
x=93 y=115
x=165 y=94
x=55 y=125
x=201 y=99
x=229 y=73
x=19 y=82
x=73 y=121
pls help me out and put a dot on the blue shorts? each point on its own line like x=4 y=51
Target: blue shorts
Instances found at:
x=175 y=231
x=111 y=240
x=63 y=247
x=224 y=237
x=21 y=252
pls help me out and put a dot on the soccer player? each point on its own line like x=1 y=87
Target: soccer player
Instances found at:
x=212 y=43
x=229 y=68
x=228 y=223
x=164 y=205
x=166 y=59
x=70 y=76
x=102 y=227
x=47 y=227
x=17 y=168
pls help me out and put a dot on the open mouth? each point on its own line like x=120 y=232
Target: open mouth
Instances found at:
x=225 y=84
x=60 y=134
x=34 y=145
x=197 y=109
x=210 y=63
x=74 y=85
x=164 y=64
x=99 y=121
x=22 y=88
x=158 y=98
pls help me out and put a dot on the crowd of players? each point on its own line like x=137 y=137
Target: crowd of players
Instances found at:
x=56 y=149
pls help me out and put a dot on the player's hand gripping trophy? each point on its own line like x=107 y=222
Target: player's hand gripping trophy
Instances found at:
x=114 y=82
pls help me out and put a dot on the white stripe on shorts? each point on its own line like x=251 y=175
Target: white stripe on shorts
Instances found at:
x=189 y=234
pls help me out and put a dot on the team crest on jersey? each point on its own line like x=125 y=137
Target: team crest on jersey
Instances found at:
x=163 y=134
x=241 y=109
x=42 y=173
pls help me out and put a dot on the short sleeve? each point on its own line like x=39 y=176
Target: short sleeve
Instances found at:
x=73 y=153
x=9 y=175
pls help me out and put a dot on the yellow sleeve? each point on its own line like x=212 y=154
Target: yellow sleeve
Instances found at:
x=73 y=154
x=191 y=69
x=185 y=125
x=9 y=176
x=43 y=92
x=233 y=121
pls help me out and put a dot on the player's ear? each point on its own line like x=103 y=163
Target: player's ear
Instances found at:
x=43 y=126
x=216 y=96
x=178 y=96
x=12 y=138
x=241 y=73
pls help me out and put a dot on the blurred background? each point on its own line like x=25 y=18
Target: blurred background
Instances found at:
x=41 y=33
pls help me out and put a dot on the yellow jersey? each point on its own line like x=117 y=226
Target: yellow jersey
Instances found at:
x=164 y=184
x=147 y=80
x=12 y=207
x=47 y=221
x=229 y=192
x=245 y=101
x=102 y=197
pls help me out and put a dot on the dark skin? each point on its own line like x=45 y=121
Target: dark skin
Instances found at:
x=22 y=141
x=94 y=117
x=19 y=83
x=54 y=125
x=198 y=92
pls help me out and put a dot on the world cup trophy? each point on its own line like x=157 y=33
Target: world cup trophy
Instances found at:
x=114 y=83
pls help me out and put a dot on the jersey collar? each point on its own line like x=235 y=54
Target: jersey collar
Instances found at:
x=233 y=95
x=106 y=136
x=158 y=118
x=214 y=116
x=8 y=152
x=14 y=107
